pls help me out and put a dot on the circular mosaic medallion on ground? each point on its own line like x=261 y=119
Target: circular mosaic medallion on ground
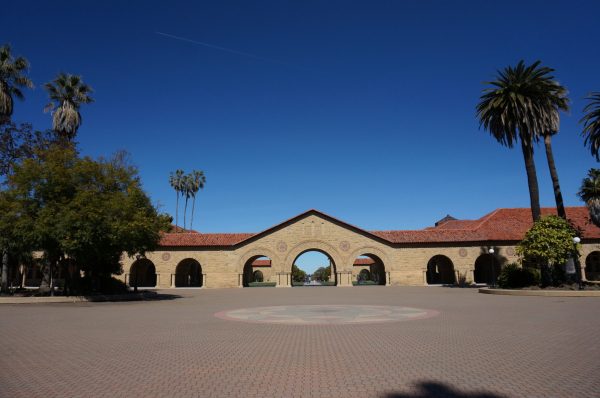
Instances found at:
x=326 y=314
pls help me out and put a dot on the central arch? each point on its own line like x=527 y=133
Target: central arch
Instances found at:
x=142 y=273
x=328 y=265
x=343 y=277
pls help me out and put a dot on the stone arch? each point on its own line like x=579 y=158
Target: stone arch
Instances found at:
x=592 y=266
x=486 y=270
x=379 y=270
x=255 y=253
x=323 y=247
x=142 y=273
x=188 y=273
x=440 y=271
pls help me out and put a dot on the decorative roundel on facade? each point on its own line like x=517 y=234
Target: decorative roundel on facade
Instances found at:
x=281 y=246
x=510 y=251
x=344 y=245
x=462 y=252
x=166 y=256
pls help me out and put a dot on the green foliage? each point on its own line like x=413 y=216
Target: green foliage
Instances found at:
x=548 y=242
x=67 y=93
x=186 y=186
x=513 y=276
x=322 y=274
x=297 y=274
x=12 y=80
x=591 y=124
x=89 y=211
x=590 y=194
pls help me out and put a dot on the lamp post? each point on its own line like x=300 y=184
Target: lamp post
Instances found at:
x=576 y=241
x=491 y=252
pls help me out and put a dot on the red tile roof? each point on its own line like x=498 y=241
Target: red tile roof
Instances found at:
x=363 y=261
x=499 y=225
x=261 y=263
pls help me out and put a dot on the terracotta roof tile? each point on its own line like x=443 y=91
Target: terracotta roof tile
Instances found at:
x=363 y=261
x=499 y=225
x=261 y=263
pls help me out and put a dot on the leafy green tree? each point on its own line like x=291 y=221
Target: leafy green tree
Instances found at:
x=548 y=243
x=590 y=194
x=322 y=274
x=520 y=106
x=12 y=79
x=297 y=274
x=67 y=93
x=177 y=181
x=591 y=124
x=83 y=212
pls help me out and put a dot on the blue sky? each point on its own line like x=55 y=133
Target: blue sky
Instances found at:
x=363 y=110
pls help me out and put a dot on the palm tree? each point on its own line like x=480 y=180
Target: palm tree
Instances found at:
x=176 y=182
x=520 y=106
x=67 y=93
x=555 y=96
x=591 y=124
x=187 y=192
x=198 y=181
x=590 y=194
x=12 y=79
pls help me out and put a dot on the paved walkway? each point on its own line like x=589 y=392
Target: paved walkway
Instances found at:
x=475 y=346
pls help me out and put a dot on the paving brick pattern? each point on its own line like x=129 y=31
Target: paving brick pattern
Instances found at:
x=478 y=346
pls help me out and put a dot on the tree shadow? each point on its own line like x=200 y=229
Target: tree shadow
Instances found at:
x=144 y=296
x=434 y=389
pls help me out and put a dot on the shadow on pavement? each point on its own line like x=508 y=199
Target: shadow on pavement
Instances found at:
x=434 y=389
x=147 y=296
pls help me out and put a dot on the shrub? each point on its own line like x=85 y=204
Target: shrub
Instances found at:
x=513 y=276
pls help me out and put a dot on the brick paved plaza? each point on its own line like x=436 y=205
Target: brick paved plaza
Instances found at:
x=473 y=346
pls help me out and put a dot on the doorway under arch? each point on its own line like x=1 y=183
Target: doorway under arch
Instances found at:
x=487 y=269
x=188 y=274
x=142 y=273
x=375 y=270
x=592 y=266
x=314 y=267
x=440 y=271
x=254 y=271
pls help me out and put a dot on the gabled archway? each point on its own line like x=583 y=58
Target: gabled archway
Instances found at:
x=326 y=267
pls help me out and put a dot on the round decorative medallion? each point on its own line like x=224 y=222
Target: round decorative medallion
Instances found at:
x=326 y=314
x=510 y=251
x=281 y=246
x=462 y=252
x=166 y=256
x=344 y=245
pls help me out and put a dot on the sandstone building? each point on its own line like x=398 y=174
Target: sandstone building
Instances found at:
x=452 y=251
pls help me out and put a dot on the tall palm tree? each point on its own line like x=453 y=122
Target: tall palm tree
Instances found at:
x=187 y=192
x=12 y=80
x=67 y=93
x=176 y=182
x=590 y=194
x=591 y=124
x=555 y=96
x=519 y=107
x=198 y=181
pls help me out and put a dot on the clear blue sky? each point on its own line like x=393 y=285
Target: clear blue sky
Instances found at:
x=364 y=110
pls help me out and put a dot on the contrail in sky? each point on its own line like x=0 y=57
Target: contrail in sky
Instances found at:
x=228 y=50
